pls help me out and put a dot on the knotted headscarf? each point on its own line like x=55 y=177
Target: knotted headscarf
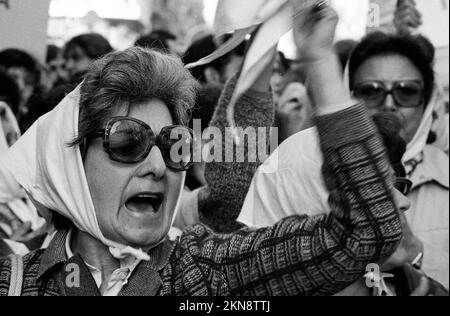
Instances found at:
x=53 y=175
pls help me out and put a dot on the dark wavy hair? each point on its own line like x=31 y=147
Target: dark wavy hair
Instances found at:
x=204 y=47
x=418 y=49
x=10 y=58
x=157 y=40
x=93 y=45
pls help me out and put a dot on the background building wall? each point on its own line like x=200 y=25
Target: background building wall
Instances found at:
x=23 y=24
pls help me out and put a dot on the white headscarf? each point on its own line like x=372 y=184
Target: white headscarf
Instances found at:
x=18 y=205
x=53 y=174
x=419 y=142
x=417 y=145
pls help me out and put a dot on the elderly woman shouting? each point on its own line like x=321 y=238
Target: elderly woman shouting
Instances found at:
x=119 y=183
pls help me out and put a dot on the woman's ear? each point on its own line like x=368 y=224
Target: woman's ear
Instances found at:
x=212 y=76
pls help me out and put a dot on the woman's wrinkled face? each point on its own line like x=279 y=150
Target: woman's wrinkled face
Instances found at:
x=390 y=69
x=134 y=203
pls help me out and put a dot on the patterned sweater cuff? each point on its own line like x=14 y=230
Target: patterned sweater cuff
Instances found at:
x=344 y=127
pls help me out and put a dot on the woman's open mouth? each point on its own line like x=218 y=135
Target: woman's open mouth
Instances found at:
x=145 y=202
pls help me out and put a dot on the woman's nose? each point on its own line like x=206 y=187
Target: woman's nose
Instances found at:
x=154 y=164
x=402 y=202
x=389 y=104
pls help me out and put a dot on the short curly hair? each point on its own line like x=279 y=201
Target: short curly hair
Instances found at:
x=122 y=79
x=418 y=49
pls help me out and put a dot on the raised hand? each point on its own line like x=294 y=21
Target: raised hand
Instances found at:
x=314 y=29
x=314 y=32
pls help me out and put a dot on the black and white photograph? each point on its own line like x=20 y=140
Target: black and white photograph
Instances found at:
x=224 y=153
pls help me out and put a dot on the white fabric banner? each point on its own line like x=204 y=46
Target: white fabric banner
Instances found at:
x=274 y=18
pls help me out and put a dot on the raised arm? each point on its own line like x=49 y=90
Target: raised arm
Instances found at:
x=316 y=255
x=220 y=202
x=325 y=254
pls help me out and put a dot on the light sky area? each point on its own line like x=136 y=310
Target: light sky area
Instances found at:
x=210 y=11
x=353 y=15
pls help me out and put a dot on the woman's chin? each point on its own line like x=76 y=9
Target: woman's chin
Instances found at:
x=142 y=237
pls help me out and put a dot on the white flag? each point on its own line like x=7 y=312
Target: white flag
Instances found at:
x=274 y=19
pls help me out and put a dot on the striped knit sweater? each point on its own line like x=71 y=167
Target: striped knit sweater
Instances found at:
x=298 y=256
x=220 y=202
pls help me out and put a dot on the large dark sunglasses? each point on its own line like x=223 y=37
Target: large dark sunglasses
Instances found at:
x=128 y=140
x=406 y=94
x=403 y=185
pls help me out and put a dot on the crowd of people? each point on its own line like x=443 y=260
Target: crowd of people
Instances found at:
x=88 y=175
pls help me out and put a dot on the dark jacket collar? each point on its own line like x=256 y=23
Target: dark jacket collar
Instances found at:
x=145 y=281
x=54 y=254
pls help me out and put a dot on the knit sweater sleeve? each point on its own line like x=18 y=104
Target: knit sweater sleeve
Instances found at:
x=229 y=176
x=314 y=255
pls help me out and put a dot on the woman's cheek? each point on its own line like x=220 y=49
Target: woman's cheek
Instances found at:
x=174 y=185
x=106 y=182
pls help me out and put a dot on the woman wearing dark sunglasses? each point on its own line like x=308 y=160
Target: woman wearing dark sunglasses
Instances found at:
x=394 y=74
x=119 y=187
